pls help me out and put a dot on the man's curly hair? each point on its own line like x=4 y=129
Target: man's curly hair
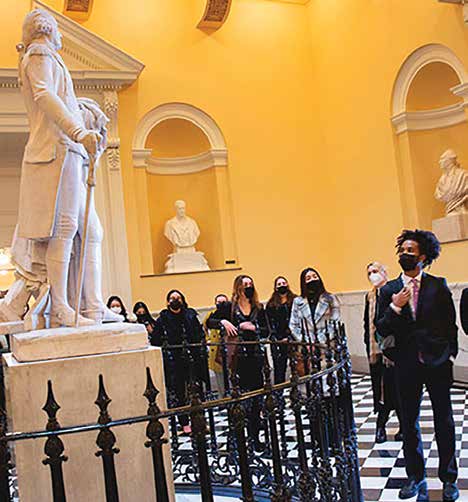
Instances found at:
x=429 y=245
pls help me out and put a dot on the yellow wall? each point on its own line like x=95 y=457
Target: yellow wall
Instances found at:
x=359 y=46
x=177 y=138
x=302 y=95
x=431 y=88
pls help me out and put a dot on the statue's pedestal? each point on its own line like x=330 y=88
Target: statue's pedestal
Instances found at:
x=122 y=358
x=451 y=228
x=186 y=262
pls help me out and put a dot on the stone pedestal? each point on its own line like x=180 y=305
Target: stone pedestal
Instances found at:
x=75 y=385
x=451 y=228
x=186 y=262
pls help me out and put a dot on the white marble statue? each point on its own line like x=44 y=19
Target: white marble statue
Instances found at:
x=64 y=133
x=452 y=188
x=183 y=232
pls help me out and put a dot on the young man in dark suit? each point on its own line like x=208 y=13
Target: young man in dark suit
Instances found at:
x=464 y=310
x=417 y=311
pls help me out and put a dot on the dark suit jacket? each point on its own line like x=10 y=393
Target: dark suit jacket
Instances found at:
x=464 y=310
x=367 y=322
x=433 y=333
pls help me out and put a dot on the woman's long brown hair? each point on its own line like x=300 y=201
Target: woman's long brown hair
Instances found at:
x=275 y=300
x=238 y=288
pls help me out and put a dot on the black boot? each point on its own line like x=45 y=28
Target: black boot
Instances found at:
x=380 y=435
x=450 y=491
x=413 y=488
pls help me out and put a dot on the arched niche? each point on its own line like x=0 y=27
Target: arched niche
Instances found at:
x=181 y=153
x=429 y=116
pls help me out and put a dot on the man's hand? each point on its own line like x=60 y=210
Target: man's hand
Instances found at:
x=229 y=327
x=91 y=140
x=401 y=298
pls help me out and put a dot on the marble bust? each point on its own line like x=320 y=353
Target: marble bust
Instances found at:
x=183 y=232
x=452 y=188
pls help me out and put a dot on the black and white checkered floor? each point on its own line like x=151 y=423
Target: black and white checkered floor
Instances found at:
x=382 y=465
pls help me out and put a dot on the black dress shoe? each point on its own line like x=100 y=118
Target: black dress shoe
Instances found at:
x=380 y=435
x=413 y=488
x=450 y=491
x=399 y=436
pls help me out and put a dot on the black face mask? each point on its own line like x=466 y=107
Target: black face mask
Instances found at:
x=175 y=304
x=141 y=318
x=221 y=305
x=249 y=292
x=282 y=290
x=313 y=287
x=408 y=261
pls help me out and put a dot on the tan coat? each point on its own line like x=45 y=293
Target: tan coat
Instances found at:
x=55 y=121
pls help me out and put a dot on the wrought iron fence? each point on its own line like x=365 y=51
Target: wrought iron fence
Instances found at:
x=306 y=423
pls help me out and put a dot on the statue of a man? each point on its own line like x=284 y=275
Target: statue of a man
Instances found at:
x=181 y=230
x=452 y=188
x=53 y=188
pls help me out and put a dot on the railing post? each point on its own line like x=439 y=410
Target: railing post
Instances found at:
x=199 y=436
x=106 y=441
x=54 y=447
x=155 y=433
x=281 y=493
x=307 y=486
x=237 y=418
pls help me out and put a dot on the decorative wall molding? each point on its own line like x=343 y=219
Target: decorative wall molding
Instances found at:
x=430 y=119
x=215 y=15
x=187 y=165
x=142 y=155
x=427 y=54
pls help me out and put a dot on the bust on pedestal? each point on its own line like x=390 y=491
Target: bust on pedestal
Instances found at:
x=452 y=189
x=183 y=232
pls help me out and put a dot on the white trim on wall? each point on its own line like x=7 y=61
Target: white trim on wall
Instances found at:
x=427 y=54
x=142 y=155
x=430 y=119
x=186 y=165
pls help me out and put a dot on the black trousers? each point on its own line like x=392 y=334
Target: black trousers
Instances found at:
x=412 y=376
x=385 y=391
x=249 y=368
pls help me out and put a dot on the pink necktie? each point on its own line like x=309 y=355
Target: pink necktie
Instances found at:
x=415 y=296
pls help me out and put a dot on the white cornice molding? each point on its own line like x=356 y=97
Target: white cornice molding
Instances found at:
x=186 y=165
x=429 y=119
x=91 y=43
x=431 y=53
x=14 y=122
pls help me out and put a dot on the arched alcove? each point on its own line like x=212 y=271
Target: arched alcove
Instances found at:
x=184 y=155
x=429 y=116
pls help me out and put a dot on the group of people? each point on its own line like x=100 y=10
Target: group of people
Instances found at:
x=242 y=318
x=410 y=335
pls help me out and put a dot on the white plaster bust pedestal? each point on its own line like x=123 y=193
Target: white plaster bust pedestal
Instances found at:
x=183 y=232
x=452 y=189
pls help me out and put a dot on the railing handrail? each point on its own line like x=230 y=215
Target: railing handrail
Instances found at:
x=205 y=405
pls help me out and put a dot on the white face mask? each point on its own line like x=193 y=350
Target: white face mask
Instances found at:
x=376 y=278
x=116 y=310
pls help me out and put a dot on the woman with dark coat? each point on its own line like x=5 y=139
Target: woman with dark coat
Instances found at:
x=144 y=317
x=178 y=324
x=244 y=320
x=381 y=369
x=278 y=314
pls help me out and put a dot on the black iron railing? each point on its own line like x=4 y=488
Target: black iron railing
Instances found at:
x=306 y=423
